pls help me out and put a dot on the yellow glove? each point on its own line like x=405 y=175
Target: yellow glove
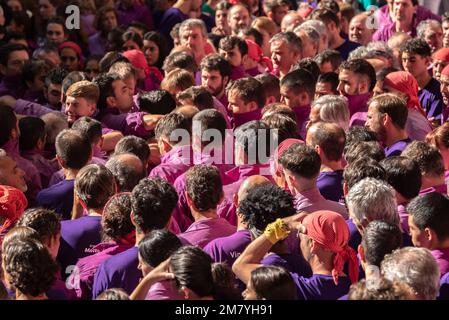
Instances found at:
x=276 y=231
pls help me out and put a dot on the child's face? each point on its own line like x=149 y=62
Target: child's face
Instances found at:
x=77 y=107
x=233 y=56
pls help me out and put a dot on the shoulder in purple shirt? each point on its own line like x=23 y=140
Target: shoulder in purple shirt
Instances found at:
x=330 y=185
x=58 y=197
x=442 y=258
x=293 y=262
x=201 y=232
x=397 y=148
x=321 y=287
x=228 y=249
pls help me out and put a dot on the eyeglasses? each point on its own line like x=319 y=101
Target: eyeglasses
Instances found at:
x=72 y=59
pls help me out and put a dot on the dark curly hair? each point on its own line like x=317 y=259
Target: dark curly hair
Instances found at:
x=30 y=267
x=153 y=201
x=204 y=186
x=45 y=222
x=116 y=218
x=264 y=204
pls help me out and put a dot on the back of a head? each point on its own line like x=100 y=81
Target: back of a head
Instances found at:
x=358 y=134
x=94 y=185
x=301 y=160
x=157 y=246
x=404 y=175
x=181 y=60
x=209 y=119
x=197 y=96
x=172 y=127
x=73 y=149
x=299 y=80
x=8 y=122
x=273 y=283
x=55 y=122
x=157 y=102
x=263 y=204
x=113 y=294
x=415 y=267
x=45 y=222
x=363 y=168
x=254 y=138
x=310 y=65
x=116 y=218
x=364 y=149
x=153 y=201
x=89 y=128
x=270 y=84
x=372 y=199
x=134 y=145
x=392 y=105
x=330 y=138
x=177 y=80
x=427 y=156
x=334 y=109
x=383 y=289
x=31 y=130
x=248 y=90
x=283 y=126
x=127 y=169
x=380 y=238
x=204 y=187
x=331 y=56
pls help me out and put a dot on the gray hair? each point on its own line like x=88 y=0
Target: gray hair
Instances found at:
x=333 y=109
x=380 y=48
x=358 y=53
x=371 y=199
x=416 y=267
x=318 y=25
x=291 y=38
x=423 y=25
x=310 y=32
x=193 y=23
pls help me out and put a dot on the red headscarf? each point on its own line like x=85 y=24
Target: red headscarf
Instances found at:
x=330 y=230
x=137 y=59
x=255 y=53
x=442 y=54
x=12 y=204
x=75 y=47
x=281 y=148
x=403 y=81
x=445 y=71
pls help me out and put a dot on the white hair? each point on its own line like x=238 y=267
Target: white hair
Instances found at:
x=318 y=25
x=415 y=267
x=423 y=25
x=310 y=32
x=372 y=199
x=333 y=109
x=193 y=23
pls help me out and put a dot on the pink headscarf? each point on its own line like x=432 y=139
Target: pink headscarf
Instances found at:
x=330 y=230
x=75 y=47
x=445 y=71
x=403 y=81
x=12 y=205
x=281 y=148
x=441 y=54
x=137 y=59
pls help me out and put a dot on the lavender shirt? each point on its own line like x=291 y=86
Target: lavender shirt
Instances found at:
x=97 y=44
x=78 y=238
x=444 y=287
x=312 y=200
x=228 y=249
x=330 y=185
x=12 y=86
x=128 y=123
x=174 y=163
x=164 y=290
x=29 y=108
x=201 y=232
x=396 y=148
x=119 y=271
x=320 y=287
x=422 y=13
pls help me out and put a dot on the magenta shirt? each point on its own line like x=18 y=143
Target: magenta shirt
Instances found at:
x=302 y=116
x=164 y=290
x=45 y=167
x=312 y=200
x=201 y=232
x=442 y=188
x=442 y=258
x=128 y=123
x=174 y=163
x=241 y=118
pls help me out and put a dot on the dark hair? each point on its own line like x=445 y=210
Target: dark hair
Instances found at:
x=428 y=157
x=252 y=32
x=331 y=56
x=109 y=59
x=168 y=124
x=230 y=42
x=21 y=18
x=361 y=67
x=204 y=186
x=153 y=200
x=114 y=39
x=71 y=78
x=127 y=176
x=357 y=134
x=57 y=20
x=8 y=122
x=73 y=149
x=301 y=160
x=310 y=65
x=157 y=246
x=270 y=85
x=33 y=68
x=379 y=239
x=330 y=137
x=94 y=185
x=113 y=294
x=210 y=119
x=298 y=81
x=329 y=77
x=430 y=211
x=116 y=218
x=104 y=82
x=134 y=145
x=382 y=74
x=31 y=130
x=363 y=168
x=157 y=102
x=394 y=106
x=30 y=267
x=132 y=36
x=45 y=222
x=326 y=16
x=161 y=43
x=416 y=46
x=249 y=90
x=200 y=97
x=255 y=136
x=99 y=16
x=364 y=149
x=7 y=49
x=263 y=204
x=215 y=62
x=181 y=60
x=89 y=128
x=286 y=127
x=404 y=175
x=194 y=269
x=273 y=283
x=55 y=76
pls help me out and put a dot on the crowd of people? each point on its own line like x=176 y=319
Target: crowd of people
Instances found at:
x=226 y=150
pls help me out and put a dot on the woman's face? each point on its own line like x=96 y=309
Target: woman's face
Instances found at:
x=69 y=59
x=151 y=51
x=130 y=45
x=249 y=293
x=142 y=266
x=46 y=9
x=92 y=69
x=109 y=21
x=221 y=19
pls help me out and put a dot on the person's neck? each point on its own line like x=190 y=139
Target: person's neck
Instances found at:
x=443 y=244
x=95 y=212
x=139 y=236
x=320 y=265
x=305 y=186
x=250 y=64
x=395 y=135
x=21 y=296
x=403 y=26
x=183 y=6
x=431 y=181
x=423 y=79
x=203 y=215
x=330 y=166
x=70 y=174
x=220 y=95
x=283 y=72
x=336 y=41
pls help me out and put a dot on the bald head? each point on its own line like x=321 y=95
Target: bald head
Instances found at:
x=127 y=169
x=360 y=29
x=250 y=183
x=290 y=21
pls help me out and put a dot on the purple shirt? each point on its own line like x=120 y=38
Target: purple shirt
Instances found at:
x=174 y=163
x=422 y=13
x=442 y=258
x=312 y=200
x=431 y=99
x=320 y=287
x=442 y=188
x=45 y=167
x=135 y=12
x=228 y=249
x=330 y=185
x=220 y=106
x=171 y=17
x=119 y=271
x=164 y=290
x=291 y=261
x=358 y=103
x=302 y=116
x=88 y=266
x=29 y=108
x=97 y=44
x=201 y=232
x=396 y=148
x=417 y=125
x=444 y=287
x=78 y=237
x=58 y=197
x=241 y=118
x=128 y=123
x=238 y=73
x=12 y=86
x=346 y=47
x=354 y=235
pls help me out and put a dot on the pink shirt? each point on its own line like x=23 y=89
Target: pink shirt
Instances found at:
x=312 y=200
x=201 y=232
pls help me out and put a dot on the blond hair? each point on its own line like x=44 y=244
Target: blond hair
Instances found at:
x=124 y=69
x=84 y=89
x=177 y=80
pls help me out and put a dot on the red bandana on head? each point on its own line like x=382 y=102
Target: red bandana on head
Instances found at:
x=12 y=204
